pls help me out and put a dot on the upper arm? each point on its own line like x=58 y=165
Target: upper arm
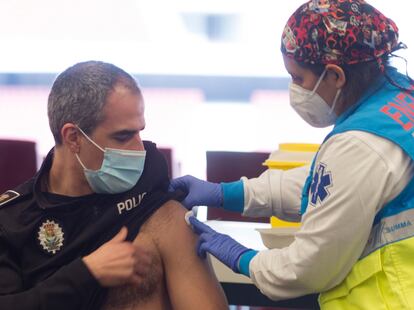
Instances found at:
x=190 y=280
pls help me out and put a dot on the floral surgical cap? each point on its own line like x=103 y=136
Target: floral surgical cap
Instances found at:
x=338 y=32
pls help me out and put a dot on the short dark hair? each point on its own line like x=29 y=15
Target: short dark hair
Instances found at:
x=79 y=94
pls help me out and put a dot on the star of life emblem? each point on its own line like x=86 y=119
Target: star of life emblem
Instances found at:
x=50 y=236
x=322 y=181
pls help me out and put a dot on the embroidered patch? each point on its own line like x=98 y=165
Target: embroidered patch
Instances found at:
x=322 y=180
x=8 y=196
x=50 y=236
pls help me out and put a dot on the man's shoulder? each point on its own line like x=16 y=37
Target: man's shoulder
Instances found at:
x=166 y=222
x=170 y=212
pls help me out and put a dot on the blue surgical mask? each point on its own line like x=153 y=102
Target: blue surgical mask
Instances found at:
x=120 y=170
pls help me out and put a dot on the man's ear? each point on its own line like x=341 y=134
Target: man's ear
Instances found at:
x=71 y=137
x=336 y=75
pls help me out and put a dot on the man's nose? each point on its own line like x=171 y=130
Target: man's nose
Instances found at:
x=139 y=144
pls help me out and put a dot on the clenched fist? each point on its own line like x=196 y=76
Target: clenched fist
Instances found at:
x=118 y=262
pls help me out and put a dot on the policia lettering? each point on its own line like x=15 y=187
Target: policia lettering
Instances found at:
x=129 y=204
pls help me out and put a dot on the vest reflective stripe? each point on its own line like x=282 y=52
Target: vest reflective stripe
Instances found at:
x=389 y=230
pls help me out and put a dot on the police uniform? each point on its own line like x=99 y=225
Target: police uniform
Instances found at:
x=356 y=240
x=43 y=236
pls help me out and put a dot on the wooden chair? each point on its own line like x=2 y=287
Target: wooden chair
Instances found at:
x=231 y=166
x=17 y=162
x=167 y=153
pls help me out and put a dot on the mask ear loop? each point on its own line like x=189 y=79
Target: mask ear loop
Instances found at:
x=89 y=139
x=319 y=81
x=338 y=93
x=80 y=162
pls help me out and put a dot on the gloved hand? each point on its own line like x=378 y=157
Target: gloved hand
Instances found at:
x=199 y=193
x=223 y=247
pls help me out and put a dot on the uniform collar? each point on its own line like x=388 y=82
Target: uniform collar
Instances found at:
x=47 y=200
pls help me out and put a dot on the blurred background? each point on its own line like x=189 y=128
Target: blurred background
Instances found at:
x=211 y=71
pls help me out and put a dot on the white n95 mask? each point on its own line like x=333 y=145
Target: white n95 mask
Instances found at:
x=119 y=172
x=311 y=107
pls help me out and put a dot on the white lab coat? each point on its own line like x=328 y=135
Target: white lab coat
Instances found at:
x=366 y=172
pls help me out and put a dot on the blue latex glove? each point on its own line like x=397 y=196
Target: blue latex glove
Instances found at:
x=223 y=247
x=199 y=193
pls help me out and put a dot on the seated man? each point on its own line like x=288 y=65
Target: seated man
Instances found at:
x=97 y=215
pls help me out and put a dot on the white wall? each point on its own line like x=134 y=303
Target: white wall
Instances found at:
x=144 y=36
x=149 y=36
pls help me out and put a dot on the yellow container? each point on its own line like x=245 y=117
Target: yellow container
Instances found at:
x=288 y=156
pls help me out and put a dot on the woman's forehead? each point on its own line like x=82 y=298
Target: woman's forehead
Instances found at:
x=292 y=65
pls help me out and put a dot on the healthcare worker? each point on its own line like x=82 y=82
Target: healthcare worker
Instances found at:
x=356 y=201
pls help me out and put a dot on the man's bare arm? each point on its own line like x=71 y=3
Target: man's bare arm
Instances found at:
x=191 y=283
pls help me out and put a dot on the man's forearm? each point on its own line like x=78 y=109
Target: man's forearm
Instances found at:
x=71 y=287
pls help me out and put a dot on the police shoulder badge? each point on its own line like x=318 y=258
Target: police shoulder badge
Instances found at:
x=8 y=196
x=50 y=236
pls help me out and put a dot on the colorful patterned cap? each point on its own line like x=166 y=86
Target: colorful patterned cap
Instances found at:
x=338 y=32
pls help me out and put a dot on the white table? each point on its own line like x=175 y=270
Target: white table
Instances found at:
x=243 y=232
x=239 y=289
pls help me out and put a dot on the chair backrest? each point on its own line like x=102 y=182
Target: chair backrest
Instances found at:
x=17 y=162
x=167 y=153
x=231 y=166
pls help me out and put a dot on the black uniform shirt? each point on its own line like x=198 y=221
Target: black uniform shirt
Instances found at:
x=43 y=237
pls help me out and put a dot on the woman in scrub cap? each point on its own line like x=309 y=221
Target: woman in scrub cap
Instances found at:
x=355 y=202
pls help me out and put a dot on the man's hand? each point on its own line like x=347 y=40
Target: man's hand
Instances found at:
x=200 y=193
x=223 y=247
x=118 y=262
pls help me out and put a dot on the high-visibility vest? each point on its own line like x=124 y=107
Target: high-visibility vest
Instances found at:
x=383 y=280
x=383 y=277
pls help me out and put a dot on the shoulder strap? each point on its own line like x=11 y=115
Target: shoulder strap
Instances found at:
x=13 y=195
x=8 y=196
